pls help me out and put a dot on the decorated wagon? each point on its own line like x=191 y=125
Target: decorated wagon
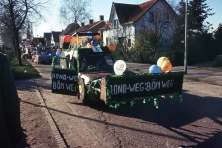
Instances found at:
x=92 y=74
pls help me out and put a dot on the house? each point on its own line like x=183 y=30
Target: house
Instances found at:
x=48 y=36
x=55 y=38
x=70 y=28
x=124 y=25
x=91 y=27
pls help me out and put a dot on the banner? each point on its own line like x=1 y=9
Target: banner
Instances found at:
x=64 y=81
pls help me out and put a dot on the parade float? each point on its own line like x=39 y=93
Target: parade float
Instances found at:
x=92 y=74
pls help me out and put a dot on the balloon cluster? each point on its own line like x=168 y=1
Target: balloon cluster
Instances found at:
x=163 y=65
x=95 y=40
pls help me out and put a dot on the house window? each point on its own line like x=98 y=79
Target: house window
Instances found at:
x=121 y=41
x=167 y=17
x=116 y=23
x=109 y=40
x=151 y=16
x=129 y=43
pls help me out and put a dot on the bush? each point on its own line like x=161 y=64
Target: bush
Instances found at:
x=176 y=57
x=218 y=61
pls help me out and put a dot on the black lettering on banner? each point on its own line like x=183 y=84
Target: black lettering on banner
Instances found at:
x=64 y=81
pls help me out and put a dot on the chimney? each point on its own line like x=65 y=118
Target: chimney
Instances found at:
x=101 y=17
x=90 y=21
x=82 y=24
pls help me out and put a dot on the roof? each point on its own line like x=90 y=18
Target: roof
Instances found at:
x=47 y=35
x=122 y=14
x=87 y=27
x=134 y=12
x=70 y=28
x=55 y=35
x=141 y=10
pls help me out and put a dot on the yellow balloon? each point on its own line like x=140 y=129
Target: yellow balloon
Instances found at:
x=74 y=39
x=161 y=60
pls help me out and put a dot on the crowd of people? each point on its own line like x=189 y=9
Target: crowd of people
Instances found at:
x=29 y=51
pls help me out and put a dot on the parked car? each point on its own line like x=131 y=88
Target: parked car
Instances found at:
x=45 y=56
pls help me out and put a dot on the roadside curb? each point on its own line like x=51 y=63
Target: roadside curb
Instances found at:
x=54 y=129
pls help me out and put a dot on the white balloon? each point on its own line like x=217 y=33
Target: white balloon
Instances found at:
x=119 y=67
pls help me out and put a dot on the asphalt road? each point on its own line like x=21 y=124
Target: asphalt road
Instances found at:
x=198 y=124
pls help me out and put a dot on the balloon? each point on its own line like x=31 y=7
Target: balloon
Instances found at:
x=89 y=37
x=88 y=45
x=161 y=60
x=119 y=67
x=166 y=66
x=74 y=39
x=111 y=47
x=94 y=42
x=67 y=38
x=58 y=54
x=97 y=37
x=59 y=49
x=155 y=69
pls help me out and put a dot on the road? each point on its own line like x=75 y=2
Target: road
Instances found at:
x=198 y=124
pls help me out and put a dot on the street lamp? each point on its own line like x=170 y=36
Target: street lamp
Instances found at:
x=185 y=45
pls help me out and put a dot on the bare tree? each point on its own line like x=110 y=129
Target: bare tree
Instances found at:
x=74 y=11
x=14 y=15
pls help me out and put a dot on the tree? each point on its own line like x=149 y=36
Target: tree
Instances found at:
x=14 y=15
x=218 y=39
x=28 y=31
x=198 y=12
x=74 y=11
x=200 y=42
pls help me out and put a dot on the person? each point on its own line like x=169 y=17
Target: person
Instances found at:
x=10 y=124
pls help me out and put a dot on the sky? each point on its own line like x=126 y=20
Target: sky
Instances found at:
x=103 y=7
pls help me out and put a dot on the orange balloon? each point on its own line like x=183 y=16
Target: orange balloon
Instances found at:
x=67 y=38
x=111 y=47
x=97 y=37
x=74 y=39
x=166 y=66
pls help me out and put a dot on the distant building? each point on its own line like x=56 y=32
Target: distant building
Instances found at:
x=48 y=37
x=55 y=38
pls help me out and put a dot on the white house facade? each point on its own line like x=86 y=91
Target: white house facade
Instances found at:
x=154 y=14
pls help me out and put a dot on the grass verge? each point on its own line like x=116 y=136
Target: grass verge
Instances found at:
x=26 y=71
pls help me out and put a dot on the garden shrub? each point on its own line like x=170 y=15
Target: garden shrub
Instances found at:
x=218 y=61
x=176 y=57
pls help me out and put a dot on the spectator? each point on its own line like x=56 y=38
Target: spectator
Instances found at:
x=10 y=124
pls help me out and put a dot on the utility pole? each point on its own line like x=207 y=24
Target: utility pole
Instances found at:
x=185 y=44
